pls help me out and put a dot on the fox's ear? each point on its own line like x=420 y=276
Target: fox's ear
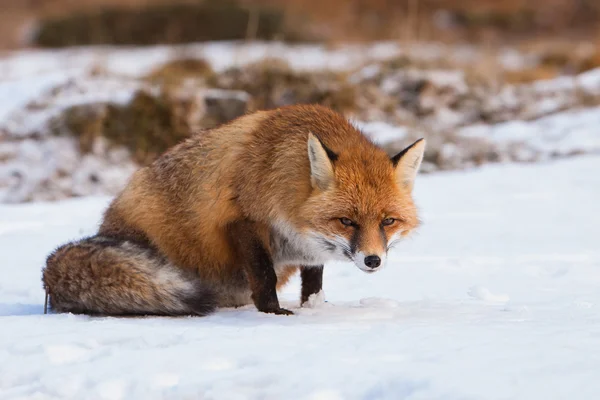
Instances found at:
x=321 y=167
x=407 y=163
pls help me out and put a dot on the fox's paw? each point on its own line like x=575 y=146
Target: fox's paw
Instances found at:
x=315 y=300
x=278 y=311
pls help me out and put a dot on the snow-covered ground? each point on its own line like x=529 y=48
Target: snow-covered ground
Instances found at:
x=496 y=297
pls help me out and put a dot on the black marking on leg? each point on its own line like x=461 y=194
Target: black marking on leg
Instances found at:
x=258 y=265
x=312 y=281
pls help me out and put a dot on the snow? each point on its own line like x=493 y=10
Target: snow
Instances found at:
x=55 y=168
x=139 y=61
x=562 y=133
x=315 y=300
x=16 y=94
x=33 y=119
x=382 y=132
x=588 y=82
x=495 y=297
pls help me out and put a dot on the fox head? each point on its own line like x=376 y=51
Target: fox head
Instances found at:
x=361 y=202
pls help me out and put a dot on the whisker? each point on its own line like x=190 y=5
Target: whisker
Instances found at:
x=393 y=244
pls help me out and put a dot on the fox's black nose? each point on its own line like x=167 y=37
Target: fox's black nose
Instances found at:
x=372 y=261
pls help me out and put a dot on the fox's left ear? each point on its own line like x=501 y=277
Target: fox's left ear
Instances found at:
x=407 y=163
x=321 y=163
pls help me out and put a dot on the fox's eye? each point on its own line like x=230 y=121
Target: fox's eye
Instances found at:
x=346 y=221
x=388 y=221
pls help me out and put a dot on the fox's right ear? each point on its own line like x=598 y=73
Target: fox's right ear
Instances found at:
x=407 y=163
x=321 y=167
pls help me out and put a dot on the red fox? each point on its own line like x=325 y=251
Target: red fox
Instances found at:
x=224 y=218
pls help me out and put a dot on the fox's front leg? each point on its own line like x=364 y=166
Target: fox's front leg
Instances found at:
x=258 y=266
x=312 y=285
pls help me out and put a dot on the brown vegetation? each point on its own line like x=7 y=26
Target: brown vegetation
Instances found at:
x=273 y=83
x=147 y=125
x=174 y=72
x=165 y=24
x=489 y=21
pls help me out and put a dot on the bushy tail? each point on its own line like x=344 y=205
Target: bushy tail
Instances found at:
x=106 y=276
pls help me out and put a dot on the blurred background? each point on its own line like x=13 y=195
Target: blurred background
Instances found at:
x=92 y=89
x=59 y=23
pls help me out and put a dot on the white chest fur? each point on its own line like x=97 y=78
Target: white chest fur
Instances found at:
x=290 y=247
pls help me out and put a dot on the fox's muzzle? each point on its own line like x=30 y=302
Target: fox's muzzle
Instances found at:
x=369 y=262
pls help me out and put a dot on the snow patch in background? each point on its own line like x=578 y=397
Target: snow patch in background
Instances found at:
x=564 y=133
x=381 y=132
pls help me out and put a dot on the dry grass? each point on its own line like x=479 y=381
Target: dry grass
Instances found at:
x=556 y=58
x=444 y=20
x=527 y=75
x=171 y=23
x=272 y=83
x=173 y=73
x=147 y=126
x=479 y=21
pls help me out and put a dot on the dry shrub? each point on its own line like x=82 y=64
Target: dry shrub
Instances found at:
x=273 y=83
x=554 y=59
x=528 y=75
x=147 y=126
x=163 y=24
x=174 y=72
x=477 y=21
x=568 y=60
